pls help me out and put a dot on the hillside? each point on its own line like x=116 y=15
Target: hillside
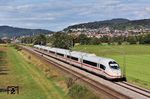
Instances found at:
x=114 y=24
x=14 y=31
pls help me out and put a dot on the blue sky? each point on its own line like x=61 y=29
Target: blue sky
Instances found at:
x=58 y=14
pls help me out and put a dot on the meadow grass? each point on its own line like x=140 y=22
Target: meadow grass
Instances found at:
x=36 y=79
x=32 y=82
x=136 y=58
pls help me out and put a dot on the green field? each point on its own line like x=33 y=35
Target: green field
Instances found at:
x=135 y=57
x=16 y=70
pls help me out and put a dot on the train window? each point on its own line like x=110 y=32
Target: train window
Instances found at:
x=112 y=62
x=90 y=63
x=45 y=50
x=60 y=54
x=113 y=65
x=52 y=52
x=102 y=67
x=68 y=56
x=74 y=58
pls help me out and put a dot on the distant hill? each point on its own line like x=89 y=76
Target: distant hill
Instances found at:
x=119 y=24
x=14 y=31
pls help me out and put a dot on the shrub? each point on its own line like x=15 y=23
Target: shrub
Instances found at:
x=77 y=91
x=69 y=81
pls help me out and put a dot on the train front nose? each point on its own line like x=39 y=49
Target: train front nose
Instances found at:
x=116 y=73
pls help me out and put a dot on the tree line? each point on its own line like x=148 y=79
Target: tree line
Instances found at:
x=67 y=41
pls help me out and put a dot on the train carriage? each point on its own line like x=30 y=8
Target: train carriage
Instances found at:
x=102 y=66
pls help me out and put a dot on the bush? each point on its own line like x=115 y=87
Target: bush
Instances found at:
x=77 y=91
x=69 y=81
x=81 y=92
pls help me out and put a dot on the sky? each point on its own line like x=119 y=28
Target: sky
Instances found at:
x=56 y=15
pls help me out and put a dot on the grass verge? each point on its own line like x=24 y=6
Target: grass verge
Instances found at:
x=32 y=83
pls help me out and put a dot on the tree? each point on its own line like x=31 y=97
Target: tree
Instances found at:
x=146 y=39
x=40 y=39
x=27 y=40
x=1 y=41
x=62 y=40
x=94 y=41
x=118 y=39
x=104 y=39
x=132 y=40
x=74 y=38
x=83 y=39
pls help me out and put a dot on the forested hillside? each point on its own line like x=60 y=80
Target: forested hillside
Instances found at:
x=14 y=31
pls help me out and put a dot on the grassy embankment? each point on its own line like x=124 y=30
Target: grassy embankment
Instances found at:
x=137 y=59
x=32 y=82
x=35 y=78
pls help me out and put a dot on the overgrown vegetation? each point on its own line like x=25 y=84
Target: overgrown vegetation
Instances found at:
x=77 y=91
x=81 y=92
x=69 y=82
x=33 y=84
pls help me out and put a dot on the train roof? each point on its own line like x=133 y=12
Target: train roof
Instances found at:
x=36 y=45
x=97 y=59
x=85 y=56
x=62 y=51
x=83 y=53
x=90 y=57
x=80 y=54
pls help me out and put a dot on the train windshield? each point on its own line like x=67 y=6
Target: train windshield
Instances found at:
x=113 y=65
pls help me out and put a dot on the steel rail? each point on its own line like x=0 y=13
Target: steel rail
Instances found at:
x=134 y=88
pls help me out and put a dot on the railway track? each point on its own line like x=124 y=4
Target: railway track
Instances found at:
x=95 y=84
x=134 y=88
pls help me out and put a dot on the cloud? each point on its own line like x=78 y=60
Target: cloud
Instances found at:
x=27 y=19
x=4 y=2
x=57 y=14
x=147 y=9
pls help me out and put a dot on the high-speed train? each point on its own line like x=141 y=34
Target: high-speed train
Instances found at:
x=105 y=67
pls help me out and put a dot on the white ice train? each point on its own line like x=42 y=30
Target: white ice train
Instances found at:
x=105 y=67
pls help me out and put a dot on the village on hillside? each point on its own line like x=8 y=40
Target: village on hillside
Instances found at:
x=106 y=31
